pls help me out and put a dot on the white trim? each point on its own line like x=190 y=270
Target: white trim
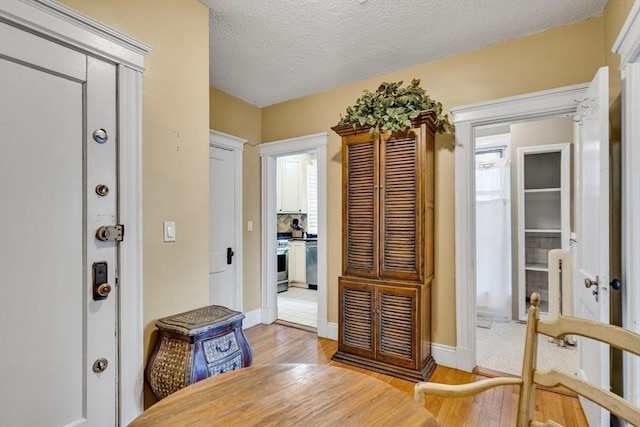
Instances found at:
x=268 y=153
x=628 y=46
x=75 y=29
x=229 y=142
x=545 y=103
x=131 y=326
x=293 y=145
x=268 y=283
x=56 y=22
x=444 y=355
x=531 y=106
x=330 y=330
x=252 y=318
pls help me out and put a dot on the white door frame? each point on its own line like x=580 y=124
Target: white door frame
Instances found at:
x=532 y=106
x=268 y=154
x=64 y=25
x=628 y=46
x=229 y=142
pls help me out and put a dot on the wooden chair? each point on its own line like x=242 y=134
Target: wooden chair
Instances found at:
x=563 y=325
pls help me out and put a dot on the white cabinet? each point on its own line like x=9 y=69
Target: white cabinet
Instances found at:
x=543 y=216
x=292 y=183
x=298 y=261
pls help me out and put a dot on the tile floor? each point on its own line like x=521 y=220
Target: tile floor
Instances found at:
x=299 y=305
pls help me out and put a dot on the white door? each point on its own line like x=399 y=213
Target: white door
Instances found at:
x=592 y=217
x=222 y=267
x=51 y=329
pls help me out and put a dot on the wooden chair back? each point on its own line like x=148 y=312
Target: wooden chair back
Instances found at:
x=615 y=336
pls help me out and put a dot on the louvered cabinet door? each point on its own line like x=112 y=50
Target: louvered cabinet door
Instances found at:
x=402 y=207
x=360 y=205
x=356 y=305
x=397 y=325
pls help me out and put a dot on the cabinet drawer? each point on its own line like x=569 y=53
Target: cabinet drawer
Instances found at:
x=220 y=347
x=232 y=363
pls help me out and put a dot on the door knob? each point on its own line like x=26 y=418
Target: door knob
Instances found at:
x=230 y=255
x=589 y=283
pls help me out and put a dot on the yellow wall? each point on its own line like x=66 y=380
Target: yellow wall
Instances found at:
x=174 y=148
x=555 y=58
x=233 y=116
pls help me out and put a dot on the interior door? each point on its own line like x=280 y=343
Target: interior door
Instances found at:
x=222 y=266
x=592 y=217
x=52 y=331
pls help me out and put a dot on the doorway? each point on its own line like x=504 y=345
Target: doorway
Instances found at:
x=515 y=229
x=225 y=213
x=297 y=231
x=269 y=153
x=468 y=119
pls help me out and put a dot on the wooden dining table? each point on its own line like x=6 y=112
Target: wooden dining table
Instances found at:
x=288 y=395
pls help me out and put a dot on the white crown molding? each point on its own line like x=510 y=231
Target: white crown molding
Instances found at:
x=56 y=21
x=543 y=103
x=224 y=140
x=292 y=145
x=627 y=44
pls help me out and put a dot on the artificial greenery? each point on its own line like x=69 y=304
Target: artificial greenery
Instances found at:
x=391 y=108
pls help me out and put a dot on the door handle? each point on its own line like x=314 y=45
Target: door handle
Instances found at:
x=230 y=255
x=615 y=284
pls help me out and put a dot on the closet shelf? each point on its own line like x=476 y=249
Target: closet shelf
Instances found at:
x=536 y=267
x=542 y=230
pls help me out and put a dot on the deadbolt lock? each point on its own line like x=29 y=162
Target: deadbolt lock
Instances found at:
x=100 y=365
x=108 y=233
x=103 y=289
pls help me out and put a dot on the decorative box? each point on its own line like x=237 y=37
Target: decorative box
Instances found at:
x=195 y=345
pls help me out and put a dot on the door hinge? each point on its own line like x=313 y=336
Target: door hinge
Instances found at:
x=109 y=233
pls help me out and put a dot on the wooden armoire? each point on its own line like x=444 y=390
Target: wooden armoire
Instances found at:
x=387 y=250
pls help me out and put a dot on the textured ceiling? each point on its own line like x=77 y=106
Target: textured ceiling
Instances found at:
x=269 y=51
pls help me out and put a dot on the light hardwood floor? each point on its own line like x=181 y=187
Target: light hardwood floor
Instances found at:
x=497 y=407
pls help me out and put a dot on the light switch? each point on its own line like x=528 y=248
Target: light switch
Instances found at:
x=249 y=225
x=169 y=231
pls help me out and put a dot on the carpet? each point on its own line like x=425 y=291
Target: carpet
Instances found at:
x=501 y=348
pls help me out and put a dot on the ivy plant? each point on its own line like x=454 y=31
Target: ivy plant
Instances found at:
x=391 y=108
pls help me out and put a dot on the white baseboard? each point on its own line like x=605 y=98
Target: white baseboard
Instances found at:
x=328 y=330
x=444 y=355
x=465 y=359
x=252 y=318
